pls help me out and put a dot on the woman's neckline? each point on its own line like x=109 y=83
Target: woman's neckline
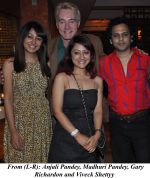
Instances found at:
x=76 y=89
x=29 y=62
x=81 y=74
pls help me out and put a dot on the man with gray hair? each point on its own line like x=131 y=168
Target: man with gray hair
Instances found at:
x=68 y=17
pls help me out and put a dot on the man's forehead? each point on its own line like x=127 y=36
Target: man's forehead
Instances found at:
x=66 y=18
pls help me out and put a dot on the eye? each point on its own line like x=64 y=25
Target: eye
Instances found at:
x=86 y=52
x=125 y=34
x=72 y=21
x=115 y=35
x=29 y=36
x=61 y=21
x=39 y=38
x=76 y=52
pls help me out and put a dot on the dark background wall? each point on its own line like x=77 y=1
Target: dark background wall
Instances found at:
x=11 y=7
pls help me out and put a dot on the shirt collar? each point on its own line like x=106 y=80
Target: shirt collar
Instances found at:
x=135 y=52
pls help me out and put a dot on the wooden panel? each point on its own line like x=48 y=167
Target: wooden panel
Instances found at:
x=8 y=31
x=96 y=25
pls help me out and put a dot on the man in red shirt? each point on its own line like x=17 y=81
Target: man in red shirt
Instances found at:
x=126 y=72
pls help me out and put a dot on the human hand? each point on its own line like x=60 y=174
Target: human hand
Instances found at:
x=92 y=143
x=141 y=51
x=1 y=77
x=82 y=139
x=16 y=141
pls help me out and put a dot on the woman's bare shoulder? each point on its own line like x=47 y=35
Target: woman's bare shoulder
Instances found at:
x=99 y=82
x=61 y=76
x=98 y=79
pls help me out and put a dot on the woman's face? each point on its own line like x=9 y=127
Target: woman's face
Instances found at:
x=80 y=56
x=32 y=42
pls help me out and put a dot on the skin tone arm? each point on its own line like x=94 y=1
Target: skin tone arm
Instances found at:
x=16 y=140
x=57 y=102
x=97 y=116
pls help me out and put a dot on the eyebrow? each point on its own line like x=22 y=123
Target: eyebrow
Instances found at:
x=66 y=19
x=80 y=50
x=36 y=36
x=121 y=33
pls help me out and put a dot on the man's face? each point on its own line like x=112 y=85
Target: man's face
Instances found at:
x=67 y=24
x=121 y=37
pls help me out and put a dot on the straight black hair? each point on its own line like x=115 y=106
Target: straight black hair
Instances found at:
x=19 y=57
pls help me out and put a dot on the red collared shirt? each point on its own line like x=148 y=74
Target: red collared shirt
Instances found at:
x=131 y=93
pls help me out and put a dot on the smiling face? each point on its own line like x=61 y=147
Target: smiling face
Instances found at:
x=67 y=24
x=32 y=42
x=121 y=37
x=80 y=56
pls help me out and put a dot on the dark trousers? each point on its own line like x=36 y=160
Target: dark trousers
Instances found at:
x=130 y=140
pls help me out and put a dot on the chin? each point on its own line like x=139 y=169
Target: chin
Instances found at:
x=122 y=49
x=67 y=37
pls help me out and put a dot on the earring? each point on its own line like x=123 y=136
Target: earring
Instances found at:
x=110 y=42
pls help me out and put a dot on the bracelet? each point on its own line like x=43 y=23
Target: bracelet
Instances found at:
x=74 y=132
x=100 y=130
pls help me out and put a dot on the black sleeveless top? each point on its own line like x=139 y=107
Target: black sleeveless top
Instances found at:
x=64 y=148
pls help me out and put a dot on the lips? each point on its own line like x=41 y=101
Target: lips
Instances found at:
x=121 y=44
x=82 y=62
x=33 y=47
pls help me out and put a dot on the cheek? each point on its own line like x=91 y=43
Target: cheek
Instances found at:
x=25 y=41
x=88 y=60
x=39 y=43
x=114 y=41
x=128 y=40
x=60 y=28
x=74 y=58
x=24 y=44
x=75 y=28
x=38 y=47
x=88 y=57
x=74 y=61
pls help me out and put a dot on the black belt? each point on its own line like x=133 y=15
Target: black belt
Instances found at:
x=130 y=117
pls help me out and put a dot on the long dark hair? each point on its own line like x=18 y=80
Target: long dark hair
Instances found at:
x=19 y=58
x=67 y=65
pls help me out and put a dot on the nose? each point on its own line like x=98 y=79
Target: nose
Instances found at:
x=34 y=41
x=120 y=37
x=67 y=25
x=82 y=55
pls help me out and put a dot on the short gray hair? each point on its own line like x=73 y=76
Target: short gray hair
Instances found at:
x=67 y=5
